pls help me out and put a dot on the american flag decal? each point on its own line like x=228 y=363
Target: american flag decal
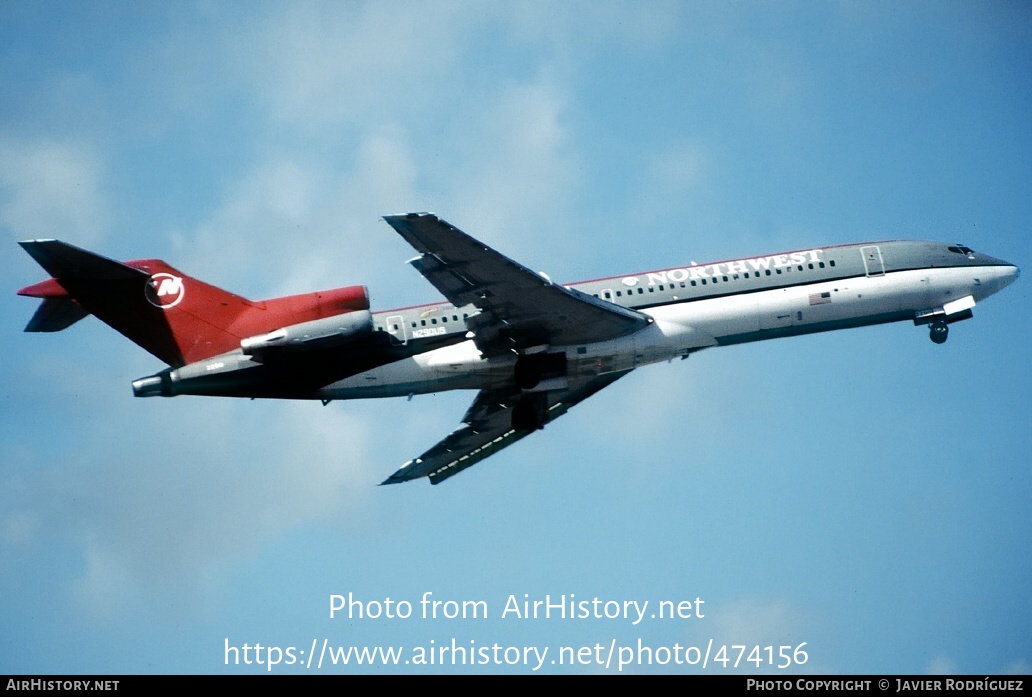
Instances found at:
x=820 y=298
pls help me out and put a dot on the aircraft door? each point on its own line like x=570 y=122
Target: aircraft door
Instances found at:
x=873 y=264
x=396 y=327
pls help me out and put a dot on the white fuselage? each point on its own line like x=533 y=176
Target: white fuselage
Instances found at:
x=683 y=326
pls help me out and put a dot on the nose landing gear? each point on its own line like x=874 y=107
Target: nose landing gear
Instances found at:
x=938 y=332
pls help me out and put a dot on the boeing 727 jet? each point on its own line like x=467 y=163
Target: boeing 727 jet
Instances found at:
x=532 y=348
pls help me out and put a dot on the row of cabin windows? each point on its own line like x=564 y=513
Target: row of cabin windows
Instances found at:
x=433 y=320
x=652 y=289
x=715 y=279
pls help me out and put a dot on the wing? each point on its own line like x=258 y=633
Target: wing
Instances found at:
x=487 y=428
x=519 y=308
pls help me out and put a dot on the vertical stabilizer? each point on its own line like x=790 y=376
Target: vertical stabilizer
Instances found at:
x=174 y=317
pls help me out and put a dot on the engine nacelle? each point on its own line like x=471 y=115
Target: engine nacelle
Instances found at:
x=320 y=333
x=230 y=374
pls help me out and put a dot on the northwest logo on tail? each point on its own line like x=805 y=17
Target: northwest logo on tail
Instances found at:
x=164 y=290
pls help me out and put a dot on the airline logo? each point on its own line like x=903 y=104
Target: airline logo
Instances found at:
x=757 y=265
x=164 y=290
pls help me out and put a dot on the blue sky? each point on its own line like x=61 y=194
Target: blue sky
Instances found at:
x=865 y=492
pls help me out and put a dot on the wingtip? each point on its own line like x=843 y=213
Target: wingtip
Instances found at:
x=394 y=479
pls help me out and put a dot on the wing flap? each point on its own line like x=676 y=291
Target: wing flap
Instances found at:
x=446 y=278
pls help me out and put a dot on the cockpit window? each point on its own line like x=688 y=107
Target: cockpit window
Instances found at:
x=960 y=249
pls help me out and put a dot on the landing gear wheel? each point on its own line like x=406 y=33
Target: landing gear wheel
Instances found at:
x=939 y=332
x=529 y=413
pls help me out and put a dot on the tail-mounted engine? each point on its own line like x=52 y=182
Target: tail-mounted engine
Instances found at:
x=246 y=372
x=328 y=332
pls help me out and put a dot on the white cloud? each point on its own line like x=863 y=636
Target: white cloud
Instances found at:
x=318 y=64
x=17 y=528
x=754 y=621
x=292 y=226
x=106 y=584
x=941 y=665
x=521 y=168
x=52 y=188
x=256 y=222
x=675 y=183
x=563 y=28
x=1019 y=667
x=169 y=495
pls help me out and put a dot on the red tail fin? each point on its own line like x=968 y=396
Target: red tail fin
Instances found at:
x=175 y=317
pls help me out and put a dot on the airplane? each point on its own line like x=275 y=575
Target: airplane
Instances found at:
x=531 y=347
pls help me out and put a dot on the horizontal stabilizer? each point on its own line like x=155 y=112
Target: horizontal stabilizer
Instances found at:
x=55 y=314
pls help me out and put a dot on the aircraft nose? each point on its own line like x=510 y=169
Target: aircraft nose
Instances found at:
x=1012 y=274
x=1002 y=276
